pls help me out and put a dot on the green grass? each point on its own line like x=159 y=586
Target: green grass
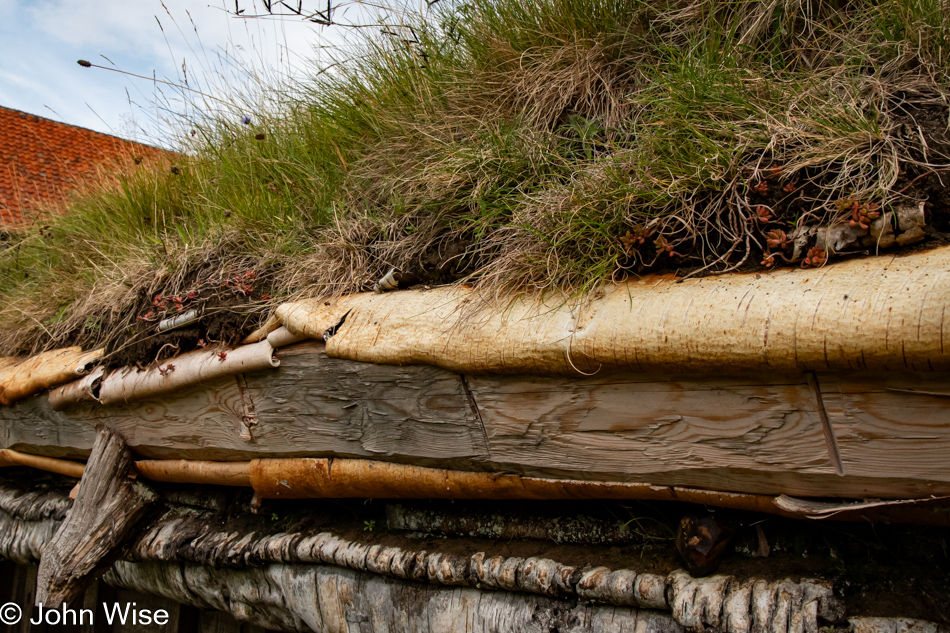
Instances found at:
x=519 y=145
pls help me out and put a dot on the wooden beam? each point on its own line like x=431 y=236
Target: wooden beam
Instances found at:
x=759 y=434
x=108 y=505
x=890 y=423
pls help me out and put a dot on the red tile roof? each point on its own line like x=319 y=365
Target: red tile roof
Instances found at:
x=42 y=160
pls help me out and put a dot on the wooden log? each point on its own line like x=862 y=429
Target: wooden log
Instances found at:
x=753 y=434
x=108 y=505
x=60 y=466
x=25 y=377
x=880 y=313
x=317 y=598
x=196 y=472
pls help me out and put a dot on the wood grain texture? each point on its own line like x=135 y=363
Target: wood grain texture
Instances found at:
x=309 y=406
x=107 y=507
x=361 y=409
x=759 y=433
x=891 y=425
x=650 y=427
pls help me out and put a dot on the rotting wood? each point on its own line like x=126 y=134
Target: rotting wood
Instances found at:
x=864 y=314
x=503 y=524
x=107 y=507
x=755 y=434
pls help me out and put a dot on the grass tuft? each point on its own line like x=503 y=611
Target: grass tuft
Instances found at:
x=522 y=146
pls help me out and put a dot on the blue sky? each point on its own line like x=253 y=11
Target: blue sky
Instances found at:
x=40 y=42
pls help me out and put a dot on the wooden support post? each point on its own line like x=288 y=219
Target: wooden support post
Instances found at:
x=108 y=505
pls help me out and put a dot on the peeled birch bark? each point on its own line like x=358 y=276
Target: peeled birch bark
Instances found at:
x=10 y=457
x=242 y=571
x=86 y=389
x=28 y=520
x=724 y=603
x=128 y=384
x=185 y=471
x=282 y=336
x=23 y=541
x=23 y=378
x=271 y=324
x=316 y=598
x=878 y=313
x=303 y=478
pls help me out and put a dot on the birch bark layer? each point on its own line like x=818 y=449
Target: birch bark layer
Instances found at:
x=880 y=313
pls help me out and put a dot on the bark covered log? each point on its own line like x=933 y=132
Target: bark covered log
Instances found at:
x=129 y=384
x=20 y=378
x=108 y=505
x=50 y=464
x=308 y=598
x=878 y=313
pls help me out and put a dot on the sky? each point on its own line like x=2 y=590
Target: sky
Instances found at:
x=41 y=41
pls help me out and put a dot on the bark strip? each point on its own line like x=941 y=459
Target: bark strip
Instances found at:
x=21 y=378
x=879 y=313
x=9 y=457
x=129 y=384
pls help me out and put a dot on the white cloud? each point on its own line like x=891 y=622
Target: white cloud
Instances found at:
x=41 y=41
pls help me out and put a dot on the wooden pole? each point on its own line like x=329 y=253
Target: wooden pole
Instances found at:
x=10 y=457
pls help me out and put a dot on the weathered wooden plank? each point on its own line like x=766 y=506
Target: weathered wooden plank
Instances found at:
x=759 y=434
x=623 y=427
x=753 y=433
x=362 y=409
x=891 y=424
x=310 y=406
x=108 y=505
